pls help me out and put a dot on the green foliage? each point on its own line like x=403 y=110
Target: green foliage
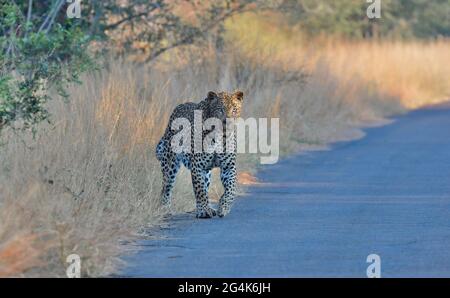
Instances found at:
x=41 y=48
x=430 y=18
x=399 y=18
x=35 y=58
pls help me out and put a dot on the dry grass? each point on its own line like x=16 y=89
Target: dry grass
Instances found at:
x=90 y=181
x=95 y=180
x=20 y=247
x=417 y=72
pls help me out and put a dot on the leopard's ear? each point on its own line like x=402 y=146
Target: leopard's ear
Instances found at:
x=211 y=95
x=239 y=95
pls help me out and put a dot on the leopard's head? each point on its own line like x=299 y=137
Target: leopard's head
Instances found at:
x=215 y=106
x=233 y=103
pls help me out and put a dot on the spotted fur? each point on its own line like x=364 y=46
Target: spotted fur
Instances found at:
x=219 y=106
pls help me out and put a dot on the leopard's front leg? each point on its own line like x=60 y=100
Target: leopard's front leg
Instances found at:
x=228 y=178
x=200 y=181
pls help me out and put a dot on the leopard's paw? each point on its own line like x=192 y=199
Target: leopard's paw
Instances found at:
x=207 y=212
x=223 y=210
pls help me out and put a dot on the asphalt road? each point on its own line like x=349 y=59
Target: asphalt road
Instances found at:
x=321 y=214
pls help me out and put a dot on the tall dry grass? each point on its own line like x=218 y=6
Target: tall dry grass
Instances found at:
x=416 y=72
x=89 y=180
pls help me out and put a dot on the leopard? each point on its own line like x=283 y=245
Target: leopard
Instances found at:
x=222 y=106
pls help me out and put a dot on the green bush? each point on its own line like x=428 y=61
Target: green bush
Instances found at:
x=41 y=48
x=38 y=52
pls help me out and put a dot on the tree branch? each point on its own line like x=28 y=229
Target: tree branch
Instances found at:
x=49 y=26
x=206 y=27
x=51 y=16
x=30 y=7
x=129 y=18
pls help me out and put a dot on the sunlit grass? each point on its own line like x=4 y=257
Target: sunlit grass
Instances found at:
x=416 y=72
x=89 y=180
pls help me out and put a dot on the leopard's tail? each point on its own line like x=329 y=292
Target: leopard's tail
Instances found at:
x=161 y=148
